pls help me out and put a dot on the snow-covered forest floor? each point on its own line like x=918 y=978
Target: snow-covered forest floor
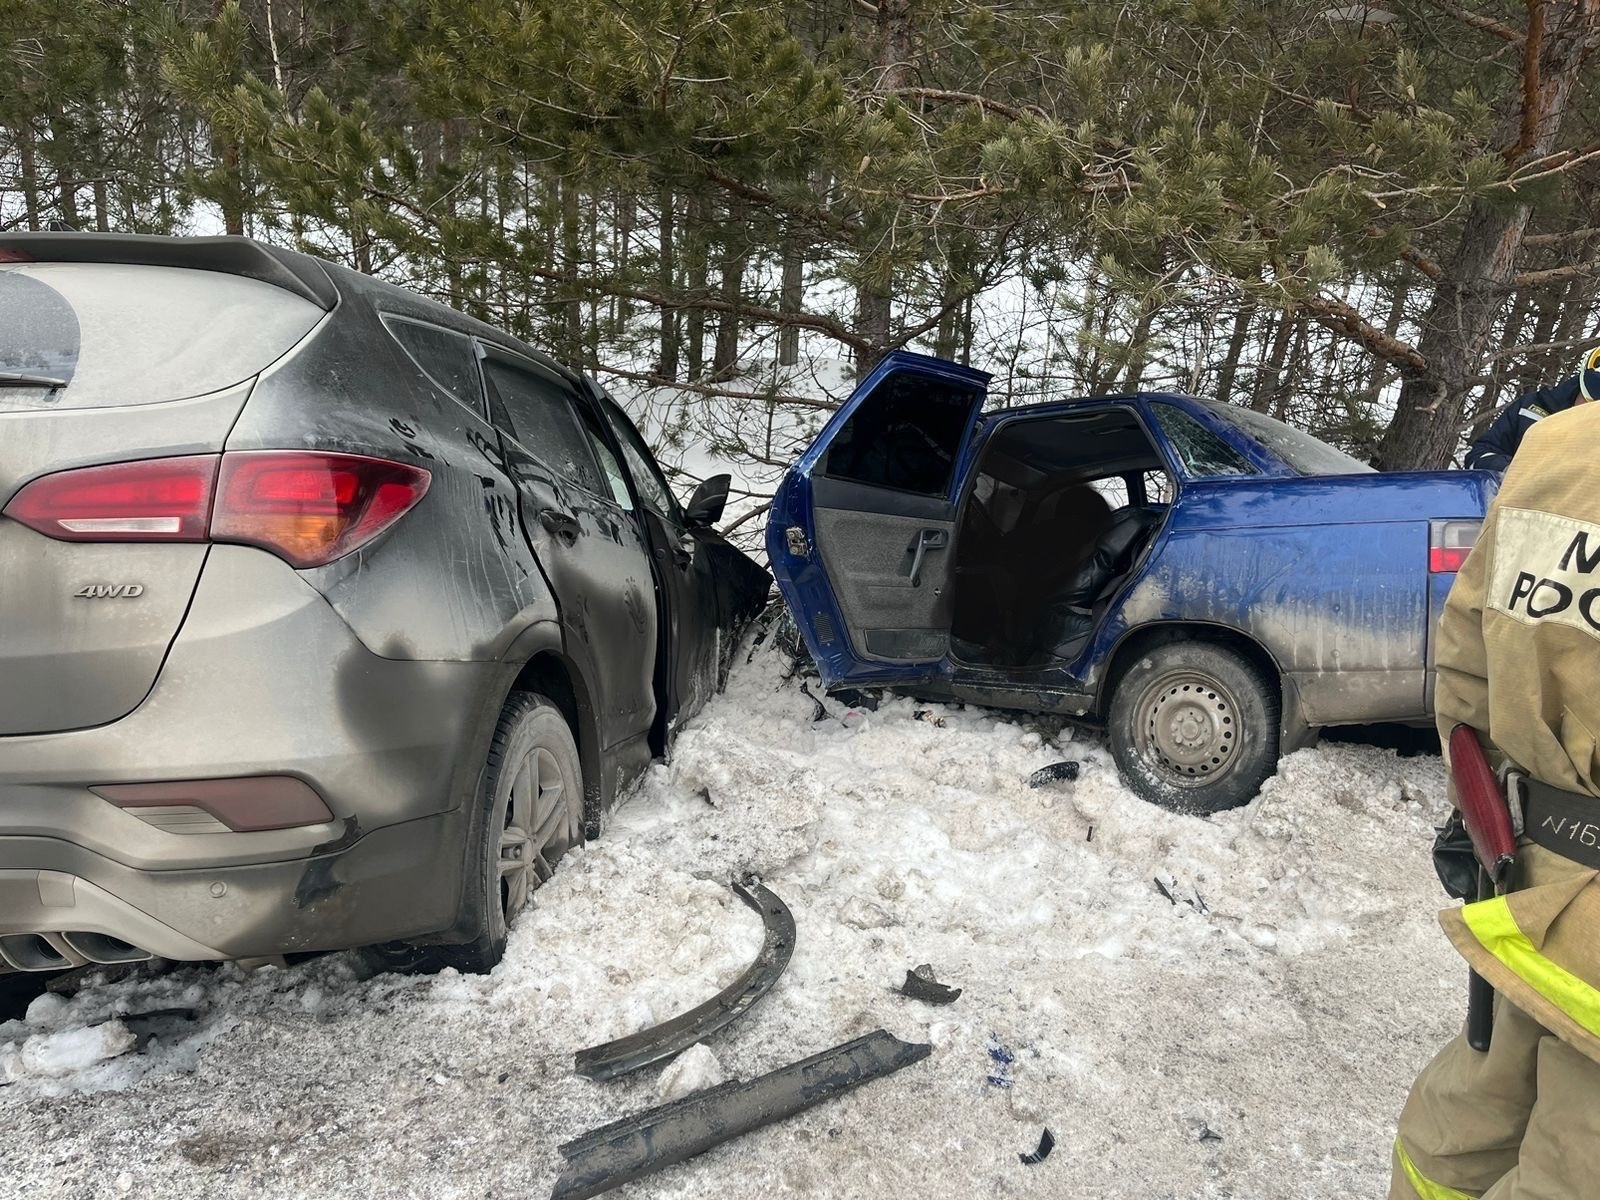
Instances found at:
x=1252 y=1038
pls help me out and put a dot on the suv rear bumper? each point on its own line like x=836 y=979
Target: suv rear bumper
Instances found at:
x=263 y=679
x=60 y=909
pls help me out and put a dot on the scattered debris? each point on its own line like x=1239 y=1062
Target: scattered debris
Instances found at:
x=651 y=1045
x=644 y=1143
x=931 y=717
x=1169 y=887
x=921 y=985
x=1057 y=772
x=1202 y=1130
x=864 y=914
x=1001 y=1058
x=1047 y=1143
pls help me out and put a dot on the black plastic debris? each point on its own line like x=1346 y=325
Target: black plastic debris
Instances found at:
x=931 y=717
x=921 y=985
x=1162 y=888
x=1047 y=1143
x=659 y=1137
x=670 y=1038
x=1057 y=772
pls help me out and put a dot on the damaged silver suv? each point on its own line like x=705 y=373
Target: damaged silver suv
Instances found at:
x=329 y=617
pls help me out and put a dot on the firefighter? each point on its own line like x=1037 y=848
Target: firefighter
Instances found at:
x=1519 y=654
x=1497 y=445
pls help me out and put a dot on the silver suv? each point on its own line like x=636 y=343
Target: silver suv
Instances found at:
x=329 y=617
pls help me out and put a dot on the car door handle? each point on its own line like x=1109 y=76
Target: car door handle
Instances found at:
x=927 y=539
x=562 y=525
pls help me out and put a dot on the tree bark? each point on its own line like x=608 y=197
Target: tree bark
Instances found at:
x=735 y=254
x=791 y=297
x=1426 y=429
x=875 y=292
x=666 y=271
x=1266 y=381
x=1230 y=363
x=29 y=165
x=571 y=249
x=697 y=280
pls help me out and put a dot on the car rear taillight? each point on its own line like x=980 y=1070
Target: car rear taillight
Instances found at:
x=306 y=506
x=160 y=500
x=1449 y=543
x=311 y=508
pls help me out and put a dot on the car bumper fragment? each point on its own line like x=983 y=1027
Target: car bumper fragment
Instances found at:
x=672 y=1037
x=659 y=1137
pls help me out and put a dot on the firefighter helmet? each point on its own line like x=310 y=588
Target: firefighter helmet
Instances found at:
x=1589 y=375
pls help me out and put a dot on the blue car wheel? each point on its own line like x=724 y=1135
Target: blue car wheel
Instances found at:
x=1194 y=727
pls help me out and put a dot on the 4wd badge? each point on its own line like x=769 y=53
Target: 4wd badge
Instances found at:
x=109 y=591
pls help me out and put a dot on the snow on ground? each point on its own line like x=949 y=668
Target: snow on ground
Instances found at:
x=1252 y=1038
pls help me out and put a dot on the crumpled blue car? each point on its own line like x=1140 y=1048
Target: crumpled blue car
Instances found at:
x=1210 y=584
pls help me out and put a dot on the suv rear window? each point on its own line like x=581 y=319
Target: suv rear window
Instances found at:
x=119 y=335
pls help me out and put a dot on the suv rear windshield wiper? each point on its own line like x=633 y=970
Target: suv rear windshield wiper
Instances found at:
x=28 y=379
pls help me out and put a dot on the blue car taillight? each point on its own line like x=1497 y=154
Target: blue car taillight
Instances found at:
x=1449 y=543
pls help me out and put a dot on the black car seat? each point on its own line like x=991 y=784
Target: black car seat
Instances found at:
x=1072 y=611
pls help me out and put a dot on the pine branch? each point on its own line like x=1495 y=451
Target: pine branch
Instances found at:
x=718 y=393
x=983 y=102
x=1486 y=24
x=1347 y=322
x=1532 y=98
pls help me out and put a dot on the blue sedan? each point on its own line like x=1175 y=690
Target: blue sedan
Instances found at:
x=1211 y=584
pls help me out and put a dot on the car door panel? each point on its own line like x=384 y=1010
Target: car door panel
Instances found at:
x=589 y=548
x=687 y=615
x=862 y=528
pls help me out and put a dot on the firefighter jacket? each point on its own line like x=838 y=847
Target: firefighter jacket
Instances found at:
x=1519 y=661
x=1495 y=447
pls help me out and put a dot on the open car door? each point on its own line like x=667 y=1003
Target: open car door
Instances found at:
x=862 y=528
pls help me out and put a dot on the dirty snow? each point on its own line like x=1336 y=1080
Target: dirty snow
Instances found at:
x=1247 y=1029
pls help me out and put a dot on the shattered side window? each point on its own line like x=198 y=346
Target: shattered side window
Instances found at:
x=1203 y=454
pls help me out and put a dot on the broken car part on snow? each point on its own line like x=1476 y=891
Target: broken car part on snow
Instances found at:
x=638 y=1145
x=672 y=1037
x=921 y=985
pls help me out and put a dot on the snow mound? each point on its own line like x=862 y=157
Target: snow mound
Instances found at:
x=1227 y=1007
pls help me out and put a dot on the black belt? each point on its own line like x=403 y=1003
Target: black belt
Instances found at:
x=1565 y=823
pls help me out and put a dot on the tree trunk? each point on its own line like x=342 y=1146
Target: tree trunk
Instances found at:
x=697 y=271
x=1287 y=384
x=1230 y=363
x=1426 y=429
x=1139 y=348
x=233 y=192
x=1266 y=381
x=571 y=251
x=735 y=254
x=66 y=183
x=29 y=165
x=875 y=292
x=665 y=275
x=791 y=298
x=627 y=218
